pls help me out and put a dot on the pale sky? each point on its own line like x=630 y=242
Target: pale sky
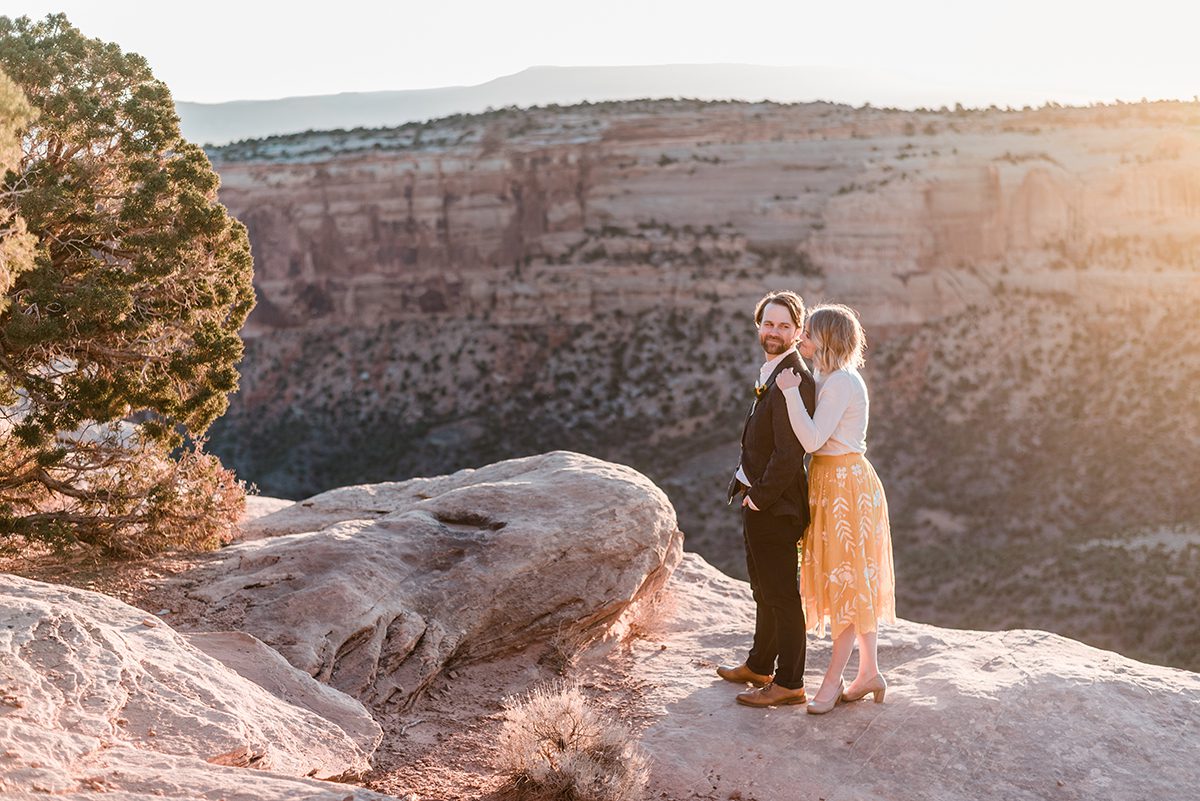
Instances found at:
x=1069 y=50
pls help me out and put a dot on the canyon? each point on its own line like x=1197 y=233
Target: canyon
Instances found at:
x=451 y=293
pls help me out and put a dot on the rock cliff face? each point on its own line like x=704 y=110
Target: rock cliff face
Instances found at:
x=376 y=590
x=478 y=288
x=435 y=599
x=581 y=211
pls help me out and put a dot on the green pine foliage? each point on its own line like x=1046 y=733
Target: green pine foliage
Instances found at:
x=16 y=244
x=128 y=310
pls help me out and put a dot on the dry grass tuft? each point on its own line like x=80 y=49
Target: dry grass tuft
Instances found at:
x=556 y=746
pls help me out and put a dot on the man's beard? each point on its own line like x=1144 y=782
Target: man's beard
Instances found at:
x=773 y=345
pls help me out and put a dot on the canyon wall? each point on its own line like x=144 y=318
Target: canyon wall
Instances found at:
x=580 y=211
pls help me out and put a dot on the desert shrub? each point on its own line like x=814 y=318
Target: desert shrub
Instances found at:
x=139 y=500
x=555 y=746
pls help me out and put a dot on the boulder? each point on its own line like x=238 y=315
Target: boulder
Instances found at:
x=1017 y=714
x=376 y=589
x=84 y=676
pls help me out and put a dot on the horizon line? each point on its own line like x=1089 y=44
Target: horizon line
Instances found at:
x=741 y=64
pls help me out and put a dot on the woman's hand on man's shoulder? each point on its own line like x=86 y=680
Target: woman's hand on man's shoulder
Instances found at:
x=788 y=379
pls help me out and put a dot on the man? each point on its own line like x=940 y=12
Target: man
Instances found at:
x=774 y=495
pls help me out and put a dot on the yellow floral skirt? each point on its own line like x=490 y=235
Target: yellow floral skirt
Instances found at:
x=846 y=573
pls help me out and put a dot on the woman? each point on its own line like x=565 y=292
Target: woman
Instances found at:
x=846 y=574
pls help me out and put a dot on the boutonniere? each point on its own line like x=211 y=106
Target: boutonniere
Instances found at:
x=759 y=391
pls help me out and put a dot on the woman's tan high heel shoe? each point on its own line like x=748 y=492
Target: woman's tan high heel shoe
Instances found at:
x=818 y=708
x=876 y=687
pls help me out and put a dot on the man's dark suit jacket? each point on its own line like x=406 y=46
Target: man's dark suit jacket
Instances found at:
x=772 y=456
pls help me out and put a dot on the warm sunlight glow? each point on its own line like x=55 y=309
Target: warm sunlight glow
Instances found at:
x=934 y=51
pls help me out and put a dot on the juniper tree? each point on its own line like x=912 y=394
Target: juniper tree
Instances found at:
x=129 y=309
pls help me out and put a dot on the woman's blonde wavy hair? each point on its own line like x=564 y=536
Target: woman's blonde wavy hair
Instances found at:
x=839 y=337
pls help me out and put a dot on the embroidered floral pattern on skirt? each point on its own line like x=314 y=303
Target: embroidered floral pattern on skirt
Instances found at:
x=846 y=572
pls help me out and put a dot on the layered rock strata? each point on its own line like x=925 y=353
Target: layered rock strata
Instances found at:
x=577 y=212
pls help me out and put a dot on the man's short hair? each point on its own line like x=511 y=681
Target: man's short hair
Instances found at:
x=786 y=298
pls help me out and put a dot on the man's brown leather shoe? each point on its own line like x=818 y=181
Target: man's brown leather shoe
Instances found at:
x=742 y=674
x=772 y=695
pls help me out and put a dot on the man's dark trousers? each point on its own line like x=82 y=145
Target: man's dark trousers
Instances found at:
x=779 y=631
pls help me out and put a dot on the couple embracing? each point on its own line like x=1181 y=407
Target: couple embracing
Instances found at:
x=828 y=527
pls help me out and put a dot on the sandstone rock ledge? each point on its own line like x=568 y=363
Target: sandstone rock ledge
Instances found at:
x=375 y=589
x=1002 y=715
x=460 y=584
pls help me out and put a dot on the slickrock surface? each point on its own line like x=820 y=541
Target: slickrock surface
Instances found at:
x=463 y=584
x=999 y=715
x=253 y=659
x=92 y=687
x=259 y=506
x=125 y=773
x=376 y=589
